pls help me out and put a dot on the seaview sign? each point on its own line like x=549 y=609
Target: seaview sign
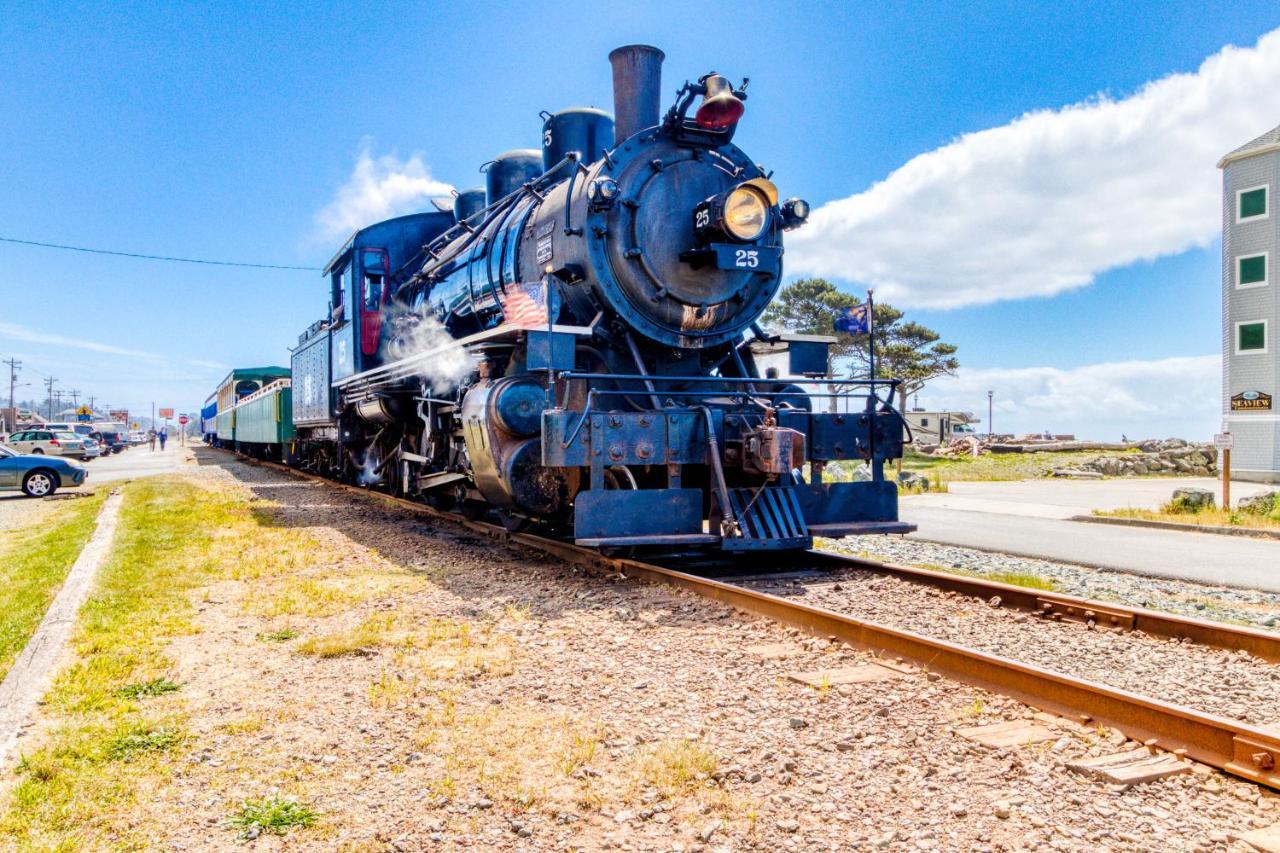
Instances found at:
x=1251 y=401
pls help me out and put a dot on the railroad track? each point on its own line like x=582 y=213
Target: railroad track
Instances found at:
x=1243 y=750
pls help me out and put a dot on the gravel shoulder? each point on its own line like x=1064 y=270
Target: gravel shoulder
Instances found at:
x=422 y=688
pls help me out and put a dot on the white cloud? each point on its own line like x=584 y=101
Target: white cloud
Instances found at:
x=379 y=188
x=20 y=333
x=1048 y=201
x=1141 y=399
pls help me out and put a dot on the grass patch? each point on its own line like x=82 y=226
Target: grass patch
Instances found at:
x=676 y=767
x=1027 y=579
x=1206 y=517
x=368 y=635
x=126 y=747
x=141 y=689
x=34 y=561
x=998 y=466
x=276 y=816
x=517 y=755
x=173 y=537
x=281 y=636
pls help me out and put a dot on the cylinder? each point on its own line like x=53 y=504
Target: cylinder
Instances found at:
x=637 y=88
x=582 y=129
x=507 y=172
x=468 y=203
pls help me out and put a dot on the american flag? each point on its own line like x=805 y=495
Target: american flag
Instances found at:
x=525 y=305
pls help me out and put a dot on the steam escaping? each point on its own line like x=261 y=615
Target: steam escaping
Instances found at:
x=369 y=475
x=433 y=355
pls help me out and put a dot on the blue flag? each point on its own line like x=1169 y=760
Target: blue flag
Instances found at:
x=854 y=320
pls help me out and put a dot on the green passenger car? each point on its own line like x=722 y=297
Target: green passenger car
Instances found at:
x=226 y=426
x=264 y=417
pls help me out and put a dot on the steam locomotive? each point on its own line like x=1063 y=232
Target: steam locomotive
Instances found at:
x=575 y=345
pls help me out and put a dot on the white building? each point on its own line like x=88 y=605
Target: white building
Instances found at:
x=1250 y=309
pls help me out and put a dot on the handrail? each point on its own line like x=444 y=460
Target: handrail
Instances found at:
x=731 y=380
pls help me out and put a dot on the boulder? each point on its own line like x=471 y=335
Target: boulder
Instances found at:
x=912 y=480
x=1191 y=500
x=1263 y=504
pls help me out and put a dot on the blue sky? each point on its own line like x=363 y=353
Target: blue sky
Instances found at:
x=223 y=131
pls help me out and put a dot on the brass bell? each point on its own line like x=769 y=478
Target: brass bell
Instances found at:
x=720 y=108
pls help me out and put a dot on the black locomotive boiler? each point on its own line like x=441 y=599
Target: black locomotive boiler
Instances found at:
x=576 y=344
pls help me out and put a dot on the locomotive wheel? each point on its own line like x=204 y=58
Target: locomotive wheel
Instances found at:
x=512 y=522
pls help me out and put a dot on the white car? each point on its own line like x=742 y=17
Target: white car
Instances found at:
x=43 y=442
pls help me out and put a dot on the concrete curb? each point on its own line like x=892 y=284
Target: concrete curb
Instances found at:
x=34 y=668
x=1251 y=532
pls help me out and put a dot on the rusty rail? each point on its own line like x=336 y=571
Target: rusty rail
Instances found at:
x=1246 y=751
x=1059 y=607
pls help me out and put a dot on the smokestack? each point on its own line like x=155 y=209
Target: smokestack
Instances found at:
x=637 y=88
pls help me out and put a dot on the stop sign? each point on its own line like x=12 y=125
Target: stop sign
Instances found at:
x=182 y=420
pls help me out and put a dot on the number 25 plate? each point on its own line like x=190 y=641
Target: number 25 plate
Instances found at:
x=733 y=257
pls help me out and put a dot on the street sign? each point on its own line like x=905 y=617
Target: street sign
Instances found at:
x=84 y=413
x=182 y=420
x=120 y=416
x=1224 y=441
x=166 y=413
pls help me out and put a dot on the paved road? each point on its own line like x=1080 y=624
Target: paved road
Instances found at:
x=134 y=462
x=1202 y=557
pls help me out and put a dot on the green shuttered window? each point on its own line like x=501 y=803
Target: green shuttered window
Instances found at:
x=1252 y=270
x=1253 y=203
x=1253 y=336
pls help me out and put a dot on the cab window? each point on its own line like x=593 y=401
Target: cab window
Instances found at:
x=374 y=264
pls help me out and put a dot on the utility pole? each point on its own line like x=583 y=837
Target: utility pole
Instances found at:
x=14 y=364
x=49 y=382
x=75 y=398
x=990 y=396
x=91 y=399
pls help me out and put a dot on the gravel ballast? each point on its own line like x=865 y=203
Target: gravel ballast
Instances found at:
x=1220 y=603
x=1228 y=683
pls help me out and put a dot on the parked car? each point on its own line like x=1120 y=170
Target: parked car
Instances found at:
x=38 y=476
x=110 y=434
x=44 y=442
x=85 y=431
x=92 y=449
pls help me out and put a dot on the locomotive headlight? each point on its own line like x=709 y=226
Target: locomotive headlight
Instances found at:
x=746 y=213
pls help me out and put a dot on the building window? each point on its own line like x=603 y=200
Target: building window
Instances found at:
x=1251 y=270
x=1251 y=337
x=1251 y=203
x=924 y=422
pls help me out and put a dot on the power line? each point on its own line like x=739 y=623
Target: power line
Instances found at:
x=154 y=257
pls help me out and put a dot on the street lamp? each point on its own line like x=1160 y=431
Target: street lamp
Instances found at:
x=990 y=396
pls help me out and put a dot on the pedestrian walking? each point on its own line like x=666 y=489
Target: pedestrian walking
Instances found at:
x=151 y=439
x=163 y=436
